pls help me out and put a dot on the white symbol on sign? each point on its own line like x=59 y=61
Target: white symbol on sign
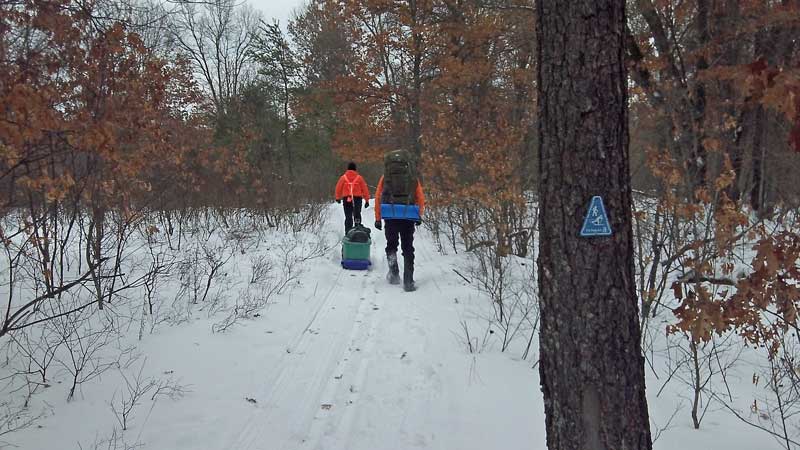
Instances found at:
x=596 y=222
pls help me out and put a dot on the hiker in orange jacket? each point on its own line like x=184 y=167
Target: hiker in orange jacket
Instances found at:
x=353 y=190
x=419 y=200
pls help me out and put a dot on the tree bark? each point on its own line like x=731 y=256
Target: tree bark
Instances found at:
x=415 y=114
x=757 y=160
x=776 y=46
x=592 y=369
x=699 y=161
x=765 y=49
x=286 y=119
x=742 y=137
x=726 y=20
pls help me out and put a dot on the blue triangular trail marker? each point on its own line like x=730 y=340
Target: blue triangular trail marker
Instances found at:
x=596 y=222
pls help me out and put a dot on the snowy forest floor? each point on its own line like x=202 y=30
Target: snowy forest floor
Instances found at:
x=344 y=361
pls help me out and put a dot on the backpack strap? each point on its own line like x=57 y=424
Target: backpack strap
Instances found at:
x=411 y=190
x=352 y=184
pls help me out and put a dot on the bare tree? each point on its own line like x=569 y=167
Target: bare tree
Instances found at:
x=217 y=36
x=84 y=338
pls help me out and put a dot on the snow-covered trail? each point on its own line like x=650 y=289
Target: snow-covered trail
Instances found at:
x=343 y=361
x=375 y=367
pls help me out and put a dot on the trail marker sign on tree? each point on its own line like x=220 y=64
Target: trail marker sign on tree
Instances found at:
x=596 y=222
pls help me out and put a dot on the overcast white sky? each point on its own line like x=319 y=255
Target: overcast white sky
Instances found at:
x=276 y=9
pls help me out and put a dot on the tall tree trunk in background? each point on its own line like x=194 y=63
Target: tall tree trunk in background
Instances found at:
x=698 y=164
x=684 y=133
x=727 y=21
x=775 y=45
x=747 y=127
x=763 y=48
x=287 y=124
x=757 y=160
x=415 y=115
x=94 y=249
x=592 y=369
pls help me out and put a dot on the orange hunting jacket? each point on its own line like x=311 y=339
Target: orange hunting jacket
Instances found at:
x=351 y=184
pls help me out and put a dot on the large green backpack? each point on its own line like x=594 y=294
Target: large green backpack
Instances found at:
x=359 y=233
x=399 y=178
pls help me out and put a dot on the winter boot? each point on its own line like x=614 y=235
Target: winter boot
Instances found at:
x=408 y=275
x=394 y=270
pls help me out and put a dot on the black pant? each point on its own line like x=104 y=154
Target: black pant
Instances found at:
x=400 y=230
x=351 y=210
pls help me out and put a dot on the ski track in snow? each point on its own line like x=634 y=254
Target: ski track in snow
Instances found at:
x=326 y=383
x=289 y=398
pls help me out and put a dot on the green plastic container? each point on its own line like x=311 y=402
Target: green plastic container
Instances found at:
x=355 y=250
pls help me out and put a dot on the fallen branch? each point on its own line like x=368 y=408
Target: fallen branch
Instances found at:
x=462 y=276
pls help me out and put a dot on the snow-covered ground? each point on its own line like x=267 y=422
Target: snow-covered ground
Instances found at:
x=344 y=361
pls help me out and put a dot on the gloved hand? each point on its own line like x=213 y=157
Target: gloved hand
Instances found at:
x=338 y=200
x=378 y=225
x=366 y=204
x=418 y=223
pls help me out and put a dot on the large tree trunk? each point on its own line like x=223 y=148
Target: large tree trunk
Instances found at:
x=726 y=18
x=416 y=89
x=757 y=161
x=776 y=46
x=592 y=369
x=698 y=163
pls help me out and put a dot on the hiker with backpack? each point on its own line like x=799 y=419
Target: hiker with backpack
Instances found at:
x=399 y=202
x=352 y=189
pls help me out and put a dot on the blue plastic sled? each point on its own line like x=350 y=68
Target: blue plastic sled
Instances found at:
x=398 y=211
x=356 y=264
